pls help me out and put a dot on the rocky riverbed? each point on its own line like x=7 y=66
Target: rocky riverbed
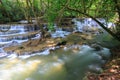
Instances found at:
x=36 y=45
x=21 y=42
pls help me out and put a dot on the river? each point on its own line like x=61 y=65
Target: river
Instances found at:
x=66 y=63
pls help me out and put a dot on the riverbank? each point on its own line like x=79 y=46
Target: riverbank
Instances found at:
x=111 y=71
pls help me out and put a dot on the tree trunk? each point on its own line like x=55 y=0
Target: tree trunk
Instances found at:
x=105 y=28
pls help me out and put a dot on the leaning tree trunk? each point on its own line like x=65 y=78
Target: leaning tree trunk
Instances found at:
x=105 y=28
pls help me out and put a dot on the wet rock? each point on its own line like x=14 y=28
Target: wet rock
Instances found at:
x=47 y=35
x=68 y=29
x=31 y=27
x=61 y=43
x=34 y=46
x=21 y=47
x=96 y=47
x=65 y=22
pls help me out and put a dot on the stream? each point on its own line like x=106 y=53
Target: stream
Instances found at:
x=67 y=63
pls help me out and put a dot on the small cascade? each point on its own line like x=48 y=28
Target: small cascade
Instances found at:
x=89 y=25
x=70 y=62
x=82 y=25
x=60 y=32
x=11 y=35
x=19 y=33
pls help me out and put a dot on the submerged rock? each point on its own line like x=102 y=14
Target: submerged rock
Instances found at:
x=96 y=47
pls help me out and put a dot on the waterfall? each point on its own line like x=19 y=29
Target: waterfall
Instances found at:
x=63 y=64
x=89 y=25
x=19 y=33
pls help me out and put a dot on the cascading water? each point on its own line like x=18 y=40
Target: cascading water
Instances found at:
x=89 y=25
x=68 y=63
x=18 y=33
x=59 y=33
x=11 y=35
x=83 y=25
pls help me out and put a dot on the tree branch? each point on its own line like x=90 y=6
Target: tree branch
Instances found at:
x=105 y=28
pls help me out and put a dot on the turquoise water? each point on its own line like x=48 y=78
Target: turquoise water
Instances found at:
x=68 y=63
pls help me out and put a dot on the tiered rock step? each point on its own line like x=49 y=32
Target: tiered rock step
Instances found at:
x=9 y=32
x=21 y=27
x=17 y=32
x=18 y=36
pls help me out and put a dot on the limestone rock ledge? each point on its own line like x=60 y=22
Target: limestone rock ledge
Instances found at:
x=32 y=46
x=35 y=45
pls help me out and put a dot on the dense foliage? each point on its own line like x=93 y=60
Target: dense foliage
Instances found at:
x=54 y=10
x=25 y=9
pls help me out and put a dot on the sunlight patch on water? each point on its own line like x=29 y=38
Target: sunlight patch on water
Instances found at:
x=17 y=69
x=62 y=64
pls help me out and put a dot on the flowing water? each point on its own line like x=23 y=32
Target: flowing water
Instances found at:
x=67 y=63
x=62 y=64
x=18 y=33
